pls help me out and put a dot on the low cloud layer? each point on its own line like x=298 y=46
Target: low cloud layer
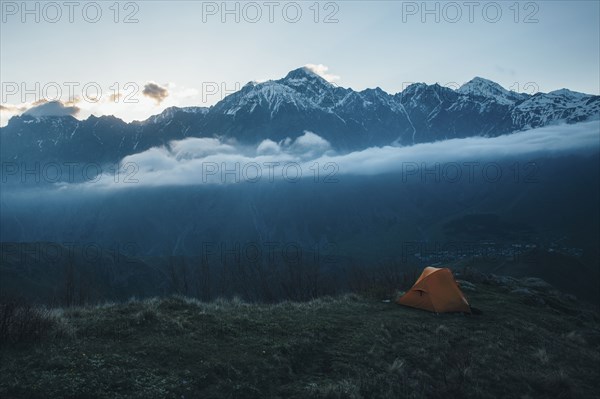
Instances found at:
x=197 y=161
x=155 y=91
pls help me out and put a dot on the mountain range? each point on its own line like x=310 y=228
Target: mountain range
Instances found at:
x=302 y=101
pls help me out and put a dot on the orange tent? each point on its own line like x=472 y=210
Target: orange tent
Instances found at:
x=436 y=291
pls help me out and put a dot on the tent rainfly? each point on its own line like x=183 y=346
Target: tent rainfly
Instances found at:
x=437 y=291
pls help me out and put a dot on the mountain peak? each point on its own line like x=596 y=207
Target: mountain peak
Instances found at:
x=170 y=112
x=481 y=87
x=479 y=79
x=568 y=93
x=479 y=84
x=303 y=74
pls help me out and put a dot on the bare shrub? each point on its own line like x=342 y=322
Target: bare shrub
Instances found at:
x=22 y=322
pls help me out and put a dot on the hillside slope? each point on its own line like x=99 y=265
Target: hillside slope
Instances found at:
x=529 y=342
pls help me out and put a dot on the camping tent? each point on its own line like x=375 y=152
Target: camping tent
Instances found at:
x=436 y=291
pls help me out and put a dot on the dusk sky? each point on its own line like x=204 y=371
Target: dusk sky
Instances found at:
x=194 y=58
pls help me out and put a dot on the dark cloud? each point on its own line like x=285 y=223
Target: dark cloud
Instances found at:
x=155 y=91
x=52 y=108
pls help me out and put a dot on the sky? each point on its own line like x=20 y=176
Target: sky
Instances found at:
x=137 y=58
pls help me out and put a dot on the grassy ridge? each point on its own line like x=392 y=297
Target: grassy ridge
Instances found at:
x=540 y=345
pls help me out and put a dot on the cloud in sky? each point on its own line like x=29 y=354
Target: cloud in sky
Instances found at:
x=197 y=161
x=131 y=102
x=39 y=108
x=7 y=111
x=321 y=70
x=115 y=97
x=268 y=147
x=308 y=146
x=13 y=109
x=155 y=91
x=52 y=108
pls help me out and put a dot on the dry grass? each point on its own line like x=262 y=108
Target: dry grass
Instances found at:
x=332 y=347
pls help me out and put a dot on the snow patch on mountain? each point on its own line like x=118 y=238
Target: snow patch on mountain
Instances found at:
x=484 y=88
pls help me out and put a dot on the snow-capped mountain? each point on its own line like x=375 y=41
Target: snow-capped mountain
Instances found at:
x=560 y=105
x=302 y=101
x=492 y=91
x=174 y=112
